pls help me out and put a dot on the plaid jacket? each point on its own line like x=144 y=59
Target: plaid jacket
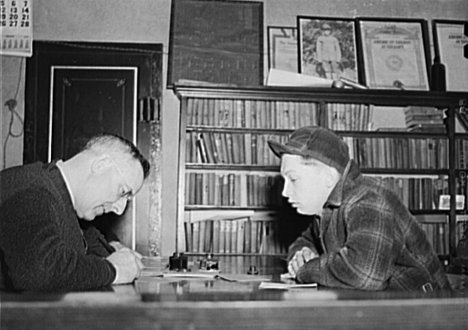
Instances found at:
x=368 y=240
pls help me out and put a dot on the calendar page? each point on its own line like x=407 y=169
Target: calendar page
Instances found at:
x=16 y=27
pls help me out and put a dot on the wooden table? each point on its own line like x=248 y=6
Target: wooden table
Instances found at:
x=154 y=303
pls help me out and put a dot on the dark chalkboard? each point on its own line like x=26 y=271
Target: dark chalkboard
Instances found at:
x=218 y=42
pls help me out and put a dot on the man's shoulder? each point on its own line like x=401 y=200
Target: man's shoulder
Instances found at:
x=26 y=168
x=19 y=178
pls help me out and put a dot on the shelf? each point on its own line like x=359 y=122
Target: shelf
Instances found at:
x=369 y=96
x=395 y=134
x=409 y=153
x=232 y=167
x=264 y=168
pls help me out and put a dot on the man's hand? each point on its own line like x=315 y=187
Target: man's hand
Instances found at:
x=127 y=264
x=117 y=245
x=300 y=258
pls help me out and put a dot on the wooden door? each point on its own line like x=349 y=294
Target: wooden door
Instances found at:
x=74 y=90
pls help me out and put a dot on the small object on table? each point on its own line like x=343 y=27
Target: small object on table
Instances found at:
x=178 y=261
x=252 y=270
x=208 y=263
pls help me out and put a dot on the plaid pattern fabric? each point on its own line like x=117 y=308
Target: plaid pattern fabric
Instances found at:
x=370 y=241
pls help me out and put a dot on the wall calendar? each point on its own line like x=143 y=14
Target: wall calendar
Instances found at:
x=16 y=27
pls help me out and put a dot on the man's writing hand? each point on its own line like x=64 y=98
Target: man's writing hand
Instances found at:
x=127 y=264
x=300 y=258
x=117 y=245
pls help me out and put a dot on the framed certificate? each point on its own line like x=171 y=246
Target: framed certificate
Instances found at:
x=394 y=53
x=327 y=47
x=449 y=39
x=282 y=48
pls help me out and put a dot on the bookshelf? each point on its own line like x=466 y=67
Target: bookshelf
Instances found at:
x=229 y=180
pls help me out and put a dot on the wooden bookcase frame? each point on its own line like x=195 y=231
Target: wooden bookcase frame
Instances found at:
x=446 y=101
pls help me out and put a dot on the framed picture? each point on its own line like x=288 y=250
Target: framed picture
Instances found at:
x=449 y=39
x=282 y=48
x=216 y=42
x=394 y=53
x=327 y=47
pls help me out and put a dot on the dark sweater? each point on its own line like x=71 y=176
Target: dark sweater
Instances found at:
x=41 y=245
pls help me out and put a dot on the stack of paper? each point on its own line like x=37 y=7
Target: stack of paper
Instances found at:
x=286 y=78
x=285 y=286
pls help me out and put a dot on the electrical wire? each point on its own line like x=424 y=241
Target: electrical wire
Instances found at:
x=12 y=104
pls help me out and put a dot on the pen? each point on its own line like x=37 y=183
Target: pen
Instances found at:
x=106 y=245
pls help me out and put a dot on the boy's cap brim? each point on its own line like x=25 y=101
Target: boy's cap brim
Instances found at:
x=315 y=142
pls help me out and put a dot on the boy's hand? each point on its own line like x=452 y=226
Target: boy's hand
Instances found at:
x=300 y=258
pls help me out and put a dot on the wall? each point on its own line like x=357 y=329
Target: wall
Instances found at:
x=147 y=21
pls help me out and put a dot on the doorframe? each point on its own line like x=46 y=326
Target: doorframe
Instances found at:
x=148 y=59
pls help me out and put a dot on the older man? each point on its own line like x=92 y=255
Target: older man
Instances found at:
x=42 y=247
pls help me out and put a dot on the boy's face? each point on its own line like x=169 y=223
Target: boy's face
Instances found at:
x=306 y=186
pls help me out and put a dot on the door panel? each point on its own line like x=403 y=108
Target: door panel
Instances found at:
x=88 y=101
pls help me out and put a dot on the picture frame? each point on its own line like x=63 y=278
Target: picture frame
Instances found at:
x=216 y=43
x=327 y=47
x=282 y=48
x=394 y=53
x=449 y=40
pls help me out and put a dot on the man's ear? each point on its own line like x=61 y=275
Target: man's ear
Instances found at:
x=332 y=176
x=100 y=163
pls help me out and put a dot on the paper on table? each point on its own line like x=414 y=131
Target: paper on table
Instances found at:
x=288 y=282
x=196 y=274
x=285 y=286
x=285 y=78
x=243 y=277
x=287 y=276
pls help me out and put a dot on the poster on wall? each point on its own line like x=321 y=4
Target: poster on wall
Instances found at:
x=16 y=27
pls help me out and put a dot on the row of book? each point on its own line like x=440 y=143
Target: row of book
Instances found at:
x=243 y=235
x=368 y=152
x=277 y=114
x=419 y=193
x=437 y=231
x=231 y=148
x=438 y=236
x=461 y=154
x=264 y=189
x=462 y=227
x=423 y=116
x=399 y=153
x=233 y=189
x=233 y=236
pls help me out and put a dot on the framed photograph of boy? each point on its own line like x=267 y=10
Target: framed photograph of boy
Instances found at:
x=282 y=48
x=327 y=47
x=449 y=40
x=394 y=53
